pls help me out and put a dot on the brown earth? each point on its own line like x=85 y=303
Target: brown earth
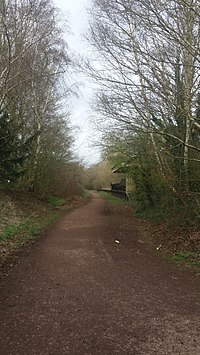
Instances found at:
x=93 y=284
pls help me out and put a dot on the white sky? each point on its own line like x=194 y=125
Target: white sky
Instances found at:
x=75 y=12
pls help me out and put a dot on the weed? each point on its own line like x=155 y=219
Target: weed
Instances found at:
x=24 y=218
x=56 y=201
x=187 y=257
x=11 y=230
x=153 y=215
x=85 y=195
x=111 y=199
x=28 y=228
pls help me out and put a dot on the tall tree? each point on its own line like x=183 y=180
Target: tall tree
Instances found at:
x=33 y=60
x=148 y=75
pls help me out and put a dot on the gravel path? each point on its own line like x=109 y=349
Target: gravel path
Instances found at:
x=79 y=292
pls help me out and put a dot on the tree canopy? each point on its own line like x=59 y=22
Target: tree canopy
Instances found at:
x=36 y=137
x=147 y=78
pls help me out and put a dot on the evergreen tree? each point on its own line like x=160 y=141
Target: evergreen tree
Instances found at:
x=13 y=152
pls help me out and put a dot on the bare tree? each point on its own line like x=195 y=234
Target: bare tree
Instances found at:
x=148 y=74
x=33 y=59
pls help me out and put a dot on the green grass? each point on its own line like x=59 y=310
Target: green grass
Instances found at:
x=9 y=231
x=85 y=195
x=28 y=229
x=154 y=214
x=24 y=228
x=113 y=200
x=188 y=258
x=33 y=217
x=56 y=201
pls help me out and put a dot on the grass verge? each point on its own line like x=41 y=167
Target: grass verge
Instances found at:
x=174 y=230
x=56 y=201
x=24 y=218
x=111 y=199
x=15 y=236
x=155 y=215
x=187 y=258
x=28 y=229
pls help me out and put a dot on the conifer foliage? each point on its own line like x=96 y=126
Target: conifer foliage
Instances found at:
x=34 y=66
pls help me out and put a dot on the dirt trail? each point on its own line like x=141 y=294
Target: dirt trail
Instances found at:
x=78 y=292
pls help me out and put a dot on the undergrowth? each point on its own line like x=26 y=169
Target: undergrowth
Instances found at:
x=175 y=229
x=28 y=228
x=188 y=258
x=56 y=201
x=23 y=217
x=154 y=214
x=111 y=199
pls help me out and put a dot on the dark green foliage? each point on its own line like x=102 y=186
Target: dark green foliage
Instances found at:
x=35 y=133
x=135 y=153
x=13 y=150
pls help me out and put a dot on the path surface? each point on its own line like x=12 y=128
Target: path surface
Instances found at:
x=78 y=292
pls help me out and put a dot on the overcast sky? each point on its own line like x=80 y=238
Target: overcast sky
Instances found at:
x=75 y=12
